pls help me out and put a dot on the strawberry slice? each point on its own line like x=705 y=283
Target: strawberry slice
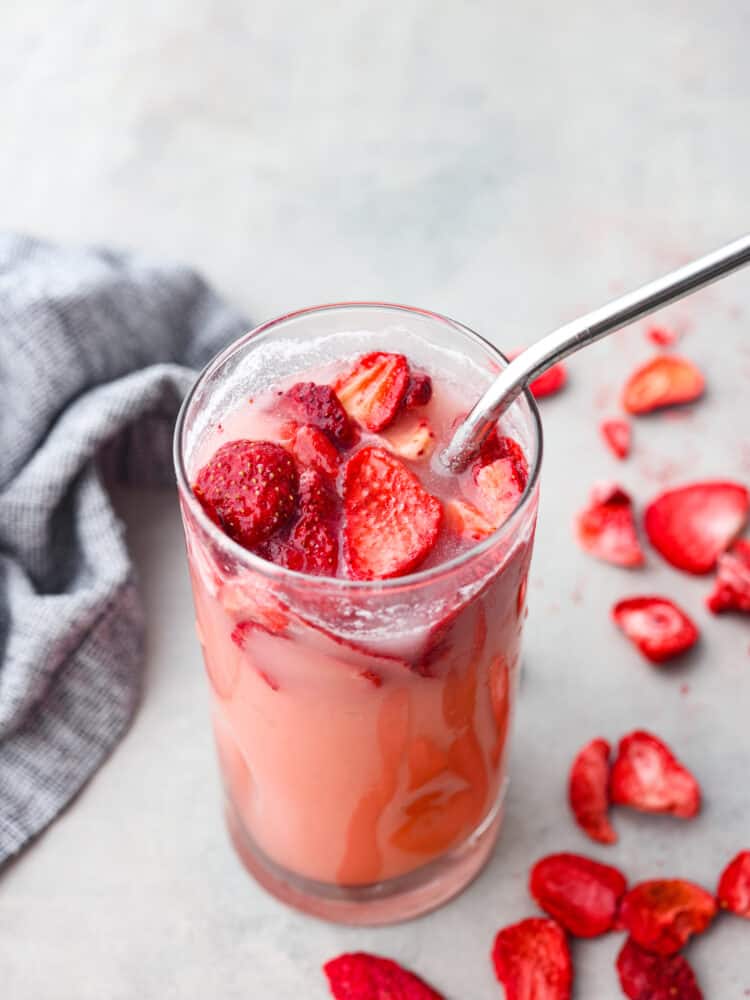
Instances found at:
x=411 y=438
x=391 y=522
x=500 y=473
x=532 y=960
x=656 y=626
x=248 y=488
x=662 y=914
x=320 y=406
x=661 y=336
x=466 y=521
x=692 y=525
x=734 y=886
x=588 y=791
x=606 y=528
x=550 y=382
x=644 y=976
x=419 y=391
x=616 y=434
x=647 y=776
x=666 y=380
x=373 y=391
x=311 y=447
x=732 y=586
x=312 y=545
x=581 y=894
x=359 y=976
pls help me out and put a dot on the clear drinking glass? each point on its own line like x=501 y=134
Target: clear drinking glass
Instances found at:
x=361 y=727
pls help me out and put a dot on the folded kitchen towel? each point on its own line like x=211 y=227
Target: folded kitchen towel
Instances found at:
x=97 y=350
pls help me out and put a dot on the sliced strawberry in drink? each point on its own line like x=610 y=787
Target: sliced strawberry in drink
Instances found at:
x=606 y=528
x=734 y=886
x=550 y=382
x=372 y=393
x=411 y=438
x=248 y=488
x=532 y=960
x=391 y=523
x=645 y=976
x=581 y=894
x=692 y=525
x=320 y=406
x=312 y=544
x=662 y=336
x=647 y=776
x=616 y=434
x=359 y=976
x=661 y=915
x=501 y=474
x=466 y=521
x=666 y=380
x=732 y=585
x=497 y=446
x=588 y=791
x=656 y=626
x=419 y=391
x=311 y=447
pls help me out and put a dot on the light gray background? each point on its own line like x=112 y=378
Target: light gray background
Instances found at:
x=509 y=164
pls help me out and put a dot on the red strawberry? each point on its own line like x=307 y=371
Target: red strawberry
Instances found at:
x=320 y=406
x=391 y=521
x=500 y=473
x=647 y=776
x=644 y=976
x=581 y=894
x=588 y=791
x=466 y=521
x=249 y=488
x=359 y=976
x=661 y=336
x=664 y=381
x=692 y=525
x=734 y=886
x=373 y=392
x=411 y=438
x=662 y=914
x=550 y=382
x=657 y=626
x=313 y=448
x=606 y=528
x=419 y=391
x=495 y=447
x=732 y=585
x=616 y=434
x=532 y=961
x=312 y=545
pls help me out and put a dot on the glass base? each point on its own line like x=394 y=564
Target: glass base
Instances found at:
x=386 y=902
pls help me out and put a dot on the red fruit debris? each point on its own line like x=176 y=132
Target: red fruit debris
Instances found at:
x=647 y=776
x=320 y=406
x=248 y=488
x=391 y=522
x=581 y=894
x=732 y=586
x=359 y=976
x=532 y=960
x=734 y=886
x=661 y=915
x=606 y=528
x=616 y=434
x=661 y=336
x=657 y=626
x=550 y=382
x=644 y=976
x=588 y=791
x=373 y=391
x=664 y=381
x=313 y=448
x=419 y=391
x=692 y=525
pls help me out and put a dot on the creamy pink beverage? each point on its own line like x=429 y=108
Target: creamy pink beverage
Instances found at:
x=360 y=609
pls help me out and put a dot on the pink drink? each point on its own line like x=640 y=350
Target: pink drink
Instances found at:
x=362 y=724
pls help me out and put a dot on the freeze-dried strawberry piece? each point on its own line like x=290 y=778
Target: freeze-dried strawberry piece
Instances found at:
x=734 y=886
x=391 y=523
x=320 y=406
x=419 y=391
x=662 y=914
x=645 y=976
x=311 y=447
x=373 y=391
x=550 y=382
x=532 y=960
x=498 y=492
x=581 y=894
x=588 y=791
x=606 y=528
x=312 y=545
x=661 y=336
x=411 y=438
x=249 y=488
x=647 y=776
x=359 y=976
x=732 y=585
x=616 y=434
x=664 y=381
x=496 y=446
x=692 y=525
x=465 y=520
x=656 y=626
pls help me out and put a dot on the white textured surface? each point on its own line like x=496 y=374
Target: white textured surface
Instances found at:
x=506 y=164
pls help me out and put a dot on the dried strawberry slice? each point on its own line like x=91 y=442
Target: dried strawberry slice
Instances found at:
x=359 y=976
x=645 y=976
x=692 y=525
x=656 y=626
x=647 y=776
x=312 y=545
x=391 y=523
x=311 y=447
x=411 y=438
x=496 y=446
x=734 y=886
x=581 y=894
x=664 y=381
x=320 y=406
x=732 y=586
x=662 y=914
x=606 y=528
x=616 y=434
x=419 y=391
x=661 y=336
x=550 y=382
x=372 y=393
x=588 y=791
x=466 y=521
x=532 y=960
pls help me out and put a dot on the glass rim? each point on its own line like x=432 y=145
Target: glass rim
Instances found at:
x=280 y=573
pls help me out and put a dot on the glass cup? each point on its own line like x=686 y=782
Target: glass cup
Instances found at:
x=361 y=726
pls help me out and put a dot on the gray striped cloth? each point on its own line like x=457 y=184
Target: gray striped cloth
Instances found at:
x=96 y=351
